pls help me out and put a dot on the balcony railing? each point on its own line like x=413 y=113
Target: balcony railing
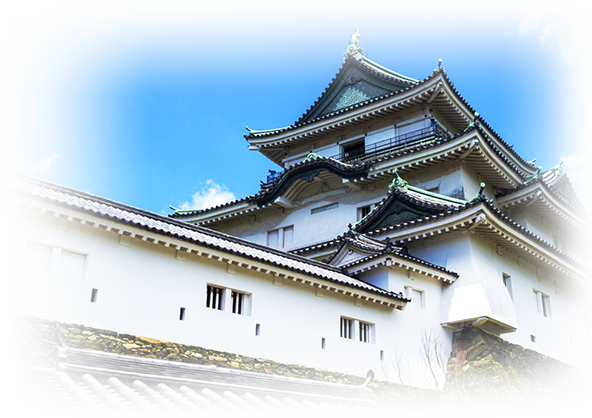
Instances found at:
x=384 y=147
x=389 y=145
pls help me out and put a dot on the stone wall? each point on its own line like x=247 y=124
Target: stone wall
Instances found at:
x=550 y=374
x=28 y=340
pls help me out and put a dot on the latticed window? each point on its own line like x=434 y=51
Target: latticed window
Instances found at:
x=214 y=297
x=365 y=332
x=347 y=328
x=238 y=301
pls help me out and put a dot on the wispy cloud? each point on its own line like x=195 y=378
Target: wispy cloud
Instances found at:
x=47 y=162
x=574 y=45
x=534 y=18
x=211 y=194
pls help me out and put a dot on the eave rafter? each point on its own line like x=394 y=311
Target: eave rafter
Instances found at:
x=393 y=261
x=470 y=148
x=482 y=221
x=540 y=200
x=274 y=145
x=182 y=247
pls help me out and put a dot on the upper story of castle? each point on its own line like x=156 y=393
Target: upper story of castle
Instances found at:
x=371 y=126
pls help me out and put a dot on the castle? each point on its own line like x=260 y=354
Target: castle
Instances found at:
x=399 y=217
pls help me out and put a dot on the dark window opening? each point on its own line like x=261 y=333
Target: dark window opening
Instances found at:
x=237 y=302
x=353 y=150
x=214 y=297
x=182 y=314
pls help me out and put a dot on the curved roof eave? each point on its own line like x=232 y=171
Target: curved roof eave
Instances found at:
x=469 y=222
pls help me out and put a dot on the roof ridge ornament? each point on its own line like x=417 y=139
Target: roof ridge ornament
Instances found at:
x=398 y=182
x=354 y=49
x=479 y=193
x=439 y=67
x=474 y=123
x=534 y=176
x=311 y=156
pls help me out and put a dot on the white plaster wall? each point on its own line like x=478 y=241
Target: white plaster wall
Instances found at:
x=563 y=336
x=141 y=288
x=310 y=228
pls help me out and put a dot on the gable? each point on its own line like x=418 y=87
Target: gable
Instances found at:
x=394 y=211
x=353 y=84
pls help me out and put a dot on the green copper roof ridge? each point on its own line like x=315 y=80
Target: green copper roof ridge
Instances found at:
x=178 y=211
x=265 y=131
x=437 y=195
x=387 y=70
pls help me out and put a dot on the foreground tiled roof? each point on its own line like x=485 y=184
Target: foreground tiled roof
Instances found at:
x=129 y=215
x=84 y=383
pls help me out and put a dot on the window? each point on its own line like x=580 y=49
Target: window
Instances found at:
x=364 y=333
x=508 y=283
x=324 y=208
x=57 y=261
x=353 y=329
x=352 y=151
x=93 y=295
x=417 y=296
x=238 y=303
x=365 y=210
x=214 y=298
x=543 y=303
x=223 y=299
x=559 y=243
x=182 y=314
x=281 y=238
x=347 y=328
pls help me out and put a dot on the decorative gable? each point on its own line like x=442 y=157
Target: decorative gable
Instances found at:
x=399 y=211
x=355 y=83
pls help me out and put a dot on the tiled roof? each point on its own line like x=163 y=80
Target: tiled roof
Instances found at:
x=459 y=209
x=380 y=248
x=87 y=381
x=129 y=215
x=428 y=201
x=551 y=180
x=410 y=85
x=271 y=190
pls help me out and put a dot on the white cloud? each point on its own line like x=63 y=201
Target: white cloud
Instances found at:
x=577 y=169
x=47 y=162
x=534 y=18
x=577 y=45
x=550 y=34
x=588 y=133
x=211 y=194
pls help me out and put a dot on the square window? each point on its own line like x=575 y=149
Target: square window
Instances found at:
x=238 y=302
x=37 y=257
x=214 y=298
x=417 y=296
x=347 y=328
x=281 y=237
x=543 y=303
x=365 y=332
x=508 y=283
x=352 y=151
x=364 y=211
x=71 y=264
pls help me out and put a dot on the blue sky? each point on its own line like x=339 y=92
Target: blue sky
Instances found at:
x=146 y=102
